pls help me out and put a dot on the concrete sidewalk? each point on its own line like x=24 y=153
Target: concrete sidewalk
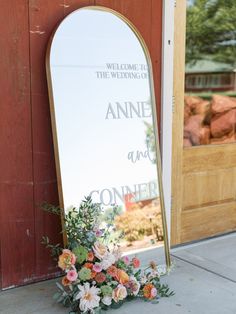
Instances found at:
x=204 y=280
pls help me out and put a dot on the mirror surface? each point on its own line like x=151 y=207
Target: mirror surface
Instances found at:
x=105 y=124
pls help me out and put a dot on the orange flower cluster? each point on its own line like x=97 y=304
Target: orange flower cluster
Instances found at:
x=149 y=291
x=112 y=271
x=120 y=275
x=90 y=266
x=90 y=256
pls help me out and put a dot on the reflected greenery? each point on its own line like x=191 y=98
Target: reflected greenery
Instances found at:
x=211 y=31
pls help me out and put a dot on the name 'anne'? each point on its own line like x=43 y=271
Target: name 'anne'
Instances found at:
x=128 y=110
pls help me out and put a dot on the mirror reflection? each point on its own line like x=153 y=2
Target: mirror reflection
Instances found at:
x=210 y=73
x=105 y=122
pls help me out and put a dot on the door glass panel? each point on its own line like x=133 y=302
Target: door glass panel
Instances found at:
x=210 y=73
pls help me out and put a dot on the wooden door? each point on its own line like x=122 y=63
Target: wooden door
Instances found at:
x=28 y=175
x=204 y=177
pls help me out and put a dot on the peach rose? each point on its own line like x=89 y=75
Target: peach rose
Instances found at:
x=66 y=259
x=65 y=281
x=122 y=276
x=119 y=293
x=99 y=250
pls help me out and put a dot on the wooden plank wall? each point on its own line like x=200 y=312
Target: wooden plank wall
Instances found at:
x=209 y=202
x=27 y=163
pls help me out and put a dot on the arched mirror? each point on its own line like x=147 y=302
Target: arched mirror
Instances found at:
x=105 y=126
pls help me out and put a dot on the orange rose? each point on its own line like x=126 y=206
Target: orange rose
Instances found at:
x=100 y=278
x=112 y=271
x=122 y=276
x=65 y=281
x=149 y=291
x=90 y=256
x=66 y=259
x=88 y=265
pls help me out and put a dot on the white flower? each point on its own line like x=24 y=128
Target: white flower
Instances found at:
x=117 y=253
x=143 y=280
x=107 y=300
x=161 y=269
x=153 y=274
x=99 y=249
x=88 y=297
x=108 y=260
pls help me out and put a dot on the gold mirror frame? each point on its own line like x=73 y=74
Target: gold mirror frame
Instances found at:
x=153 y=104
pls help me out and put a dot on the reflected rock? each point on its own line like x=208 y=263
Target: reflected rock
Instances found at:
x=192 y=129
x=191 y=101
x=187 y=142
x=223 y=124
x=203 y=108
x=229 y=138
x=222 y=104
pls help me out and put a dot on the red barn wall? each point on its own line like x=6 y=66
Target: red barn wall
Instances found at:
x=28 y=175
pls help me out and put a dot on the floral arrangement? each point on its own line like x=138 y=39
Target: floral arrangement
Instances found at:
x=96 y=275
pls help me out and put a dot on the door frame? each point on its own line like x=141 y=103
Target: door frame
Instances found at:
x=178 y=119
x=167 y=105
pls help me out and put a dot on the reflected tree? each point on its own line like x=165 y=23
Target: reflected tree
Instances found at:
x=211 y=31
x=150 y=141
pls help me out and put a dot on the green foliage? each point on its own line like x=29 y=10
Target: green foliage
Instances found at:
x=54 y=248
x=208 y=96
x=111 y=235
x=80 y=223
x=150 y=141
x=51 y=209
x=110 y=214
x=211 y=31
x=164 y=291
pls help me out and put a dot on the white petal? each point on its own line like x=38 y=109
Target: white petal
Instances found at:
x=86 y=287
x=81 y=288
x=83 y=305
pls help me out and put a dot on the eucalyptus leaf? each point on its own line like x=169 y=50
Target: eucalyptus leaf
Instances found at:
x=56 y=296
